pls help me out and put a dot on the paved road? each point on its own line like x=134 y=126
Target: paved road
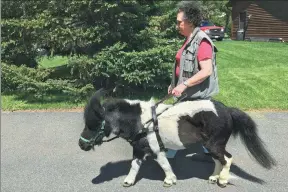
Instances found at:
x=39 y=152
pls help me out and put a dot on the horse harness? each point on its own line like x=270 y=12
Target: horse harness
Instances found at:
x=144 y=131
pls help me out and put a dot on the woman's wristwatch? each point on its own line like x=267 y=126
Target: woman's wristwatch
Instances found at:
x=186 y=83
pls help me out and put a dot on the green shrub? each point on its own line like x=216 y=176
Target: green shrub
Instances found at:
x=150 y=68
x=35 y=81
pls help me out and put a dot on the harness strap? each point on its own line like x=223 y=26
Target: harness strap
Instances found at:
x=155 y=120
x=108 y=140
x=156 y=128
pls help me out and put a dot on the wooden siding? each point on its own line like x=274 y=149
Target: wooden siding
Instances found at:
x=268 y=18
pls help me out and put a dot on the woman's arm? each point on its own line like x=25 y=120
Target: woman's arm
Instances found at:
x=205 y=71
x=206 y=68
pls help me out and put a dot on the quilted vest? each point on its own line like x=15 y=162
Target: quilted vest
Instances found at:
x=189 y=66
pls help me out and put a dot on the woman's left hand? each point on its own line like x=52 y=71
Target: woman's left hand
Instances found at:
x=177 y=91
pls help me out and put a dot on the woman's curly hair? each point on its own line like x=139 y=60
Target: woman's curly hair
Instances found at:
x=192 y=11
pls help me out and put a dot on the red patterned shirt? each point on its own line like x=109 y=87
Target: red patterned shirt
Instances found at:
x=204 y=52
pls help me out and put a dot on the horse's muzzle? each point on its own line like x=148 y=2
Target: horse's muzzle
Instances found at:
x=84 y=146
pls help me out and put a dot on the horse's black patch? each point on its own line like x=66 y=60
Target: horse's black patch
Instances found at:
x=205 y=126
x=210 y=129
x=189 y=132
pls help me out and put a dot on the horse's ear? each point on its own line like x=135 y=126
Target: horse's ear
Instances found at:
x=95 y=102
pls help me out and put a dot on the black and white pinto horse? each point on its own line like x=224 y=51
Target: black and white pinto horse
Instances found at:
x=206 y=121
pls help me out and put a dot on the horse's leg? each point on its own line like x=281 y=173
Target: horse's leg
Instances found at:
x=170 y=178
x=135 y=166
x=217 y=169
x=226 y=161
x=223 y=161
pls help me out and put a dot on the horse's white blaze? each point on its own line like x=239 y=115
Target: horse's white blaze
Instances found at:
x=168 y=120
x=224 y=174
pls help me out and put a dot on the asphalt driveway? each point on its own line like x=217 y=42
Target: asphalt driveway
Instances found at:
x=39 y=152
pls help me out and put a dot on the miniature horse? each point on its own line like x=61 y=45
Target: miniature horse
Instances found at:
x=206 y=121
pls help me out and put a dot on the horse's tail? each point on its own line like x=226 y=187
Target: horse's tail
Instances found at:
x=243 y=124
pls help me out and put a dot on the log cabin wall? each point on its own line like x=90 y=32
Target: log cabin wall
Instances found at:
x=268 y=19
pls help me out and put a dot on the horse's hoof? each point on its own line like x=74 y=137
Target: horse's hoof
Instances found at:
x=167 y=184
x=126 y=184
x=170 y=180
x=222 y=184
x=212 y=179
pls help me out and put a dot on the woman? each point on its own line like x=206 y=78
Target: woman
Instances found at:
x=195 y=70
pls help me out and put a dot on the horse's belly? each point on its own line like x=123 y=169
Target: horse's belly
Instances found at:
x=168 y=130
x=178 y=134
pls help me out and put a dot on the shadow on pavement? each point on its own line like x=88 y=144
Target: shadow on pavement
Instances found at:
x=200 y=167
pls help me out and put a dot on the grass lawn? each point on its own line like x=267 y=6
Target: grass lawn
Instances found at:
x=252 y=75
x=48 y=62
x=13 y=102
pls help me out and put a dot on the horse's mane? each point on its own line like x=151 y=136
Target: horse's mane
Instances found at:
x=93 y=111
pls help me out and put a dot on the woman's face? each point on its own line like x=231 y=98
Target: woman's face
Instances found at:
x=183 y=25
